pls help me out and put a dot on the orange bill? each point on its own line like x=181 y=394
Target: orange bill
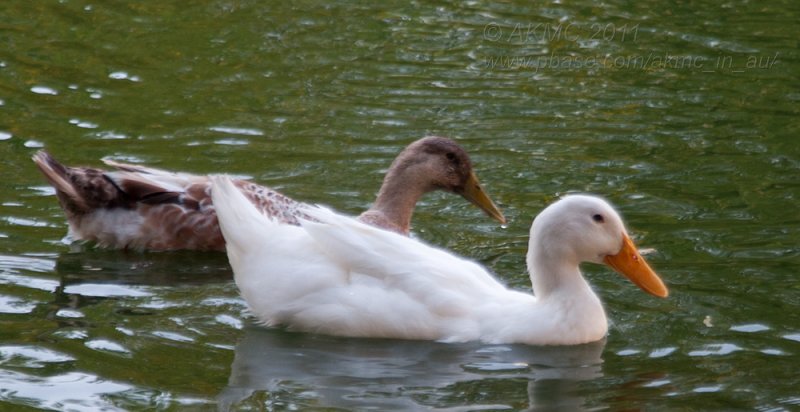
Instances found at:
x=630 y=263
x=473 y=191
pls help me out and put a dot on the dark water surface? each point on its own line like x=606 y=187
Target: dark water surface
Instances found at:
x=683 y=114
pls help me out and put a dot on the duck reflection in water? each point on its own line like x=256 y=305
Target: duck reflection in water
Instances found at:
x=302 y=370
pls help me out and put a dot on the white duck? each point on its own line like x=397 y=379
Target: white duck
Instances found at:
x=339 y=276
x=138 y=207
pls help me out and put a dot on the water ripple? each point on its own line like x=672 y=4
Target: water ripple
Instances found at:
x=750 y=328
x=74 y=391
x=44 y=90
x=177 y=337
x=229 y=321
x=236 y=130
x=30 y=356
x=69 y=313
x=106 y=345
x=10 y=265
x=120 y=75
x=716 y=349
x=29 y=282
x=662 y=352
x=106 y=290
x=11 y=304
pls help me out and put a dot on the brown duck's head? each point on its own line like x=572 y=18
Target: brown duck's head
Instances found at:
x=444 y=165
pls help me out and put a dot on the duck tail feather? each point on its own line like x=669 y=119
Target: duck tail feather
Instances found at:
x=59 y=176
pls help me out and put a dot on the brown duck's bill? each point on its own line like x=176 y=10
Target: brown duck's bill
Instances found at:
x=630 y=263
x=473 y=191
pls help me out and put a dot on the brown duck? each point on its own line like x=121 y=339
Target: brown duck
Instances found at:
x=136 y=207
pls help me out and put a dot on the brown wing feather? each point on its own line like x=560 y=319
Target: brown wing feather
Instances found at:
x=145 y=192
x=149 y=208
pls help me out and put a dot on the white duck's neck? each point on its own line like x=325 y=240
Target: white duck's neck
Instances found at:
x=567 y=307
x=553 y=270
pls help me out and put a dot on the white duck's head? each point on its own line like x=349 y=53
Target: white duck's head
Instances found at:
x=582 y=228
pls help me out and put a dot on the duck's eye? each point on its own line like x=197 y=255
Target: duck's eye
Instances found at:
x=598 y=218
x=453 y=158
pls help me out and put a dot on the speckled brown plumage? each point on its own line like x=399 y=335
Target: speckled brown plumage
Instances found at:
x=142 y=208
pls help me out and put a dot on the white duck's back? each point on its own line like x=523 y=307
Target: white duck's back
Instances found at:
x=342 y=277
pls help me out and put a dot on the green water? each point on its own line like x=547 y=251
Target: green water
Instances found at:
x=683 y=114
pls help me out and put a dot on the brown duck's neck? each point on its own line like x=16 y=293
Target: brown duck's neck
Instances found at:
x=396 y=200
